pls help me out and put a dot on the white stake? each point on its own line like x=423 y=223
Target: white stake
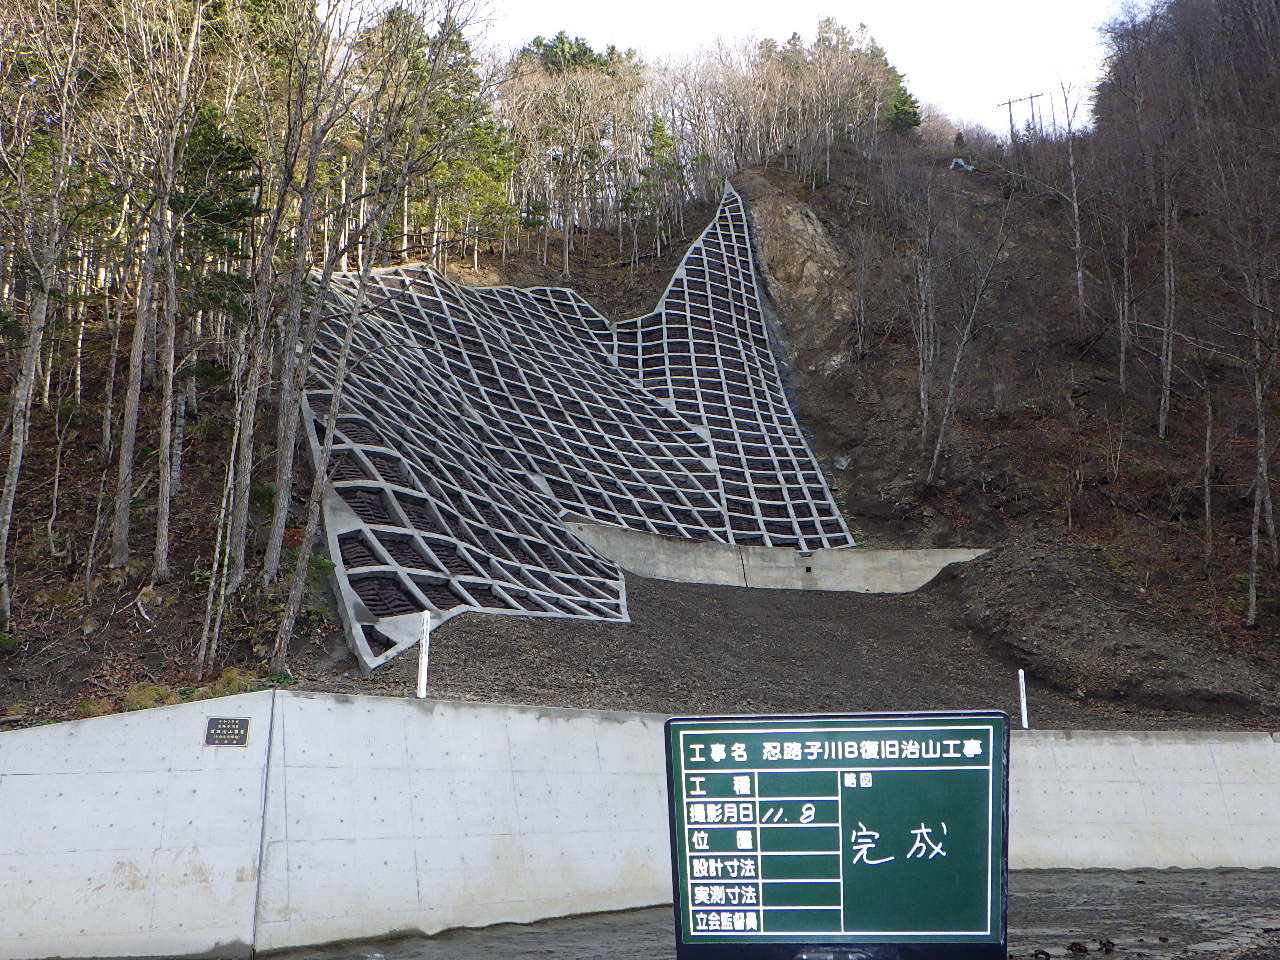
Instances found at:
x=424 y=649
x=1022 y=695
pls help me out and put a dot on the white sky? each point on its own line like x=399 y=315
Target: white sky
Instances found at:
x=965 y=56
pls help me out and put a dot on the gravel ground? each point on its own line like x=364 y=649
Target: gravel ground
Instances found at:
x=1146 y=915
x=701 y=649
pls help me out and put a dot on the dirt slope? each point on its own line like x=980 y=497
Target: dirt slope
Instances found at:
x=693 y=648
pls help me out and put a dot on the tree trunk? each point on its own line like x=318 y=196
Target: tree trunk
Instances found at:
x=1126 y=302
x=925 y=329
x=19 y=420
x=133 y=395
x=109 y=387
x=298 y=582
x=180 y=408
x=292 y=364
x=1077 y=240
x=238 y=539
x=945 y=419
x=215 y=599
x=166 y=334
x=297 y=585
x=566 y=229
x=1259 y=486
x=1207 y=489
x=1166 y=340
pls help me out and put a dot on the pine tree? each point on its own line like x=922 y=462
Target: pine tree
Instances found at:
x=903 y=114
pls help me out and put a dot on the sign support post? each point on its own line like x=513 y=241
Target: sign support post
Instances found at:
x=1022 y=695
x=424 y=653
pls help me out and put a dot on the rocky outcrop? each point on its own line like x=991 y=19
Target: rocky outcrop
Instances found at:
x=806 y=272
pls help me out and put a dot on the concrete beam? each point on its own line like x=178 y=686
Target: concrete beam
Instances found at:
x=771 y=568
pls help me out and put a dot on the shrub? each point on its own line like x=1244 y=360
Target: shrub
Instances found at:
x=211 y=428
x=208 y=373
x=262 y=495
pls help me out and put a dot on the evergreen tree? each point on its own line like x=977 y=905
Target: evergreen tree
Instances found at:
x=561 y=54
x=903 y=113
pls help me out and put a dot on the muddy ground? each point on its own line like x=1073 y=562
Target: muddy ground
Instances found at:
x=1137 y=914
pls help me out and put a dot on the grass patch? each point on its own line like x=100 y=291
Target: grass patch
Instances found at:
x=144 y=695
x=231 y=681
x=93 y=707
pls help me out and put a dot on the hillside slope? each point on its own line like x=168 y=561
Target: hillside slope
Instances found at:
x=1092 y=583
x=1084 y=588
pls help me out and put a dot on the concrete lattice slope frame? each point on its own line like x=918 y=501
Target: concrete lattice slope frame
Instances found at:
x=705 y=350
x=473 y=421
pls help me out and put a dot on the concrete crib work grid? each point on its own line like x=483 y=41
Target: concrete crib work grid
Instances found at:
x=473 y=422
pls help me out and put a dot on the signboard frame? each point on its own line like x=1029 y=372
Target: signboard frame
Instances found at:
x=852 y=945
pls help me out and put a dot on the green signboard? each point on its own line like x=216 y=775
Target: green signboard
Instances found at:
x=794 y=832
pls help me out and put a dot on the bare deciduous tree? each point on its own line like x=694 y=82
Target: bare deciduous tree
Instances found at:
x=47 y=54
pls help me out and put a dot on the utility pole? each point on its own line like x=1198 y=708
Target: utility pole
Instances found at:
x=1009 y=103
x=1013 y=133
x=1037 y=120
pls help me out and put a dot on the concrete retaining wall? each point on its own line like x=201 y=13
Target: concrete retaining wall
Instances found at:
x=125 y=835
x=779 y=568
x=388 y=814
x=1167 y=799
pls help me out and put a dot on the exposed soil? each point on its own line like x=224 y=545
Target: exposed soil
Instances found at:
x=694 y=648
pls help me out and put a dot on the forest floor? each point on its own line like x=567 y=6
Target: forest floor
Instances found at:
x=1094 y=582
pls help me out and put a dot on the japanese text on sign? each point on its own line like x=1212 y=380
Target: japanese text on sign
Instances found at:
x=838 y=828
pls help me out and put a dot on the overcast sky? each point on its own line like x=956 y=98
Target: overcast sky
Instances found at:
x=965 y=56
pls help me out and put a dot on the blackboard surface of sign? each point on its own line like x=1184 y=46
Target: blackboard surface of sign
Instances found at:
x=227 y=732
x=842 y=836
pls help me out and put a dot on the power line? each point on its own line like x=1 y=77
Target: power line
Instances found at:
x=1009 y=103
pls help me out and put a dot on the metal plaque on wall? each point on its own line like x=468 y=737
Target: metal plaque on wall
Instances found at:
x=227 y=732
